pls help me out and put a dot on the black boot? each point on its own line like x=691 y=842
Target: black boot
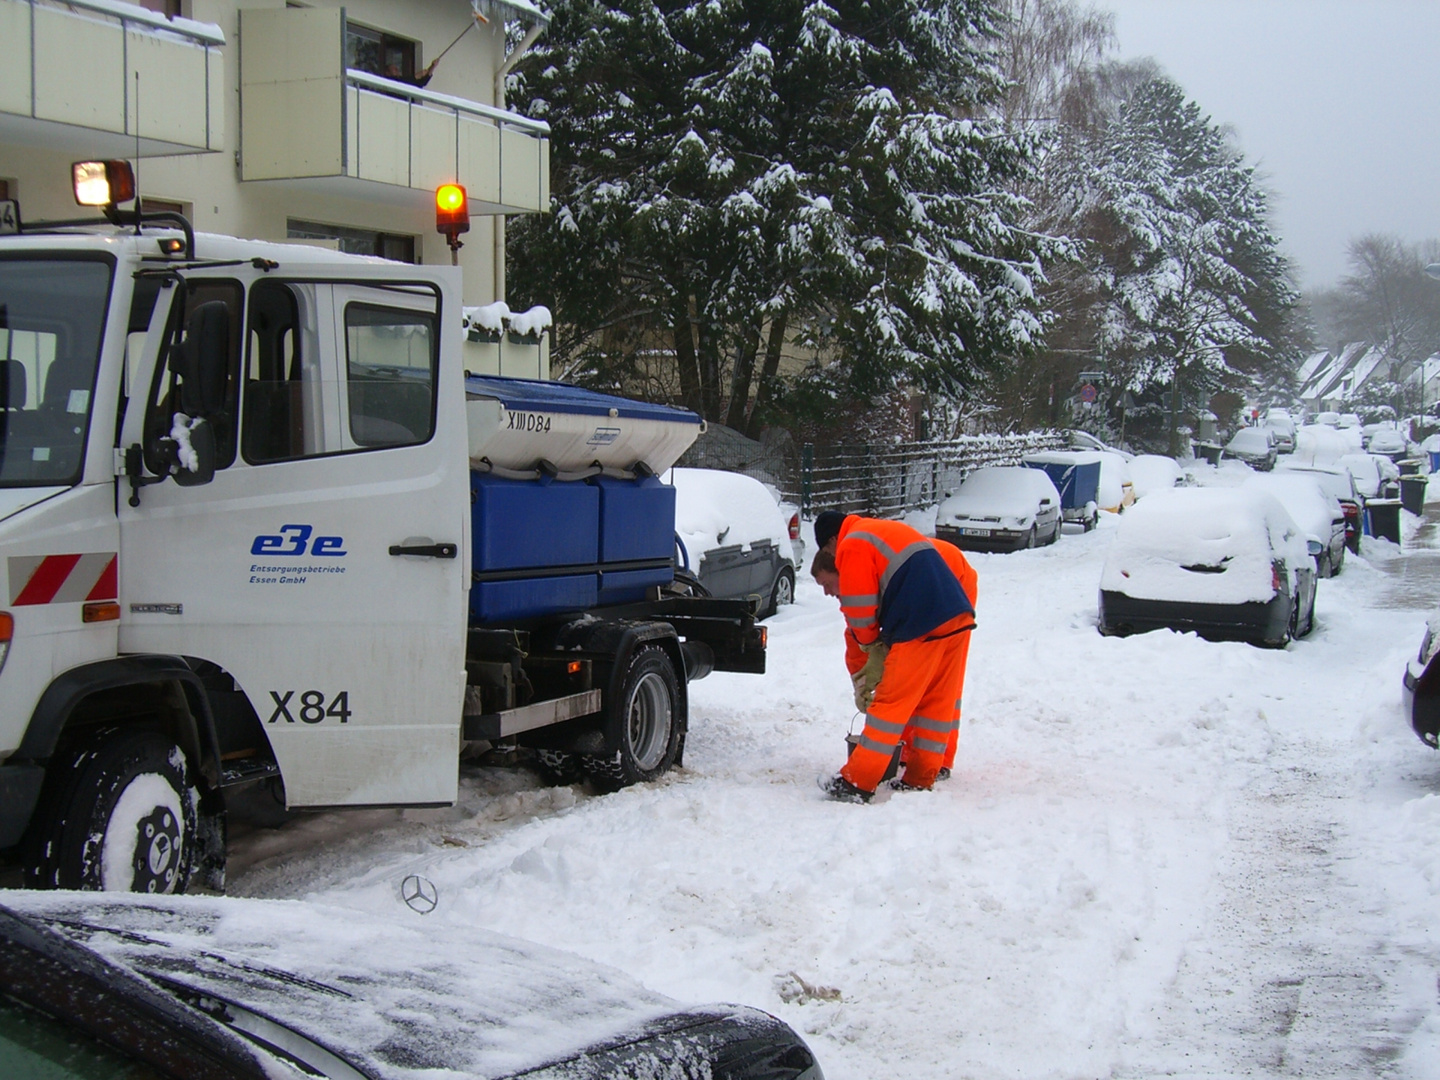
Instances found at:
x=841 y=790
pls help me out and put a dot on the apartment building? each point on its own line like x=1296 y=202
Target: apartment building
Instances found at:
x=310 y=122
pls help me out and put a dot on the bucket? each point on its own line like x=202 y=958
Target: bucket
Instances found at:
x=852 y=741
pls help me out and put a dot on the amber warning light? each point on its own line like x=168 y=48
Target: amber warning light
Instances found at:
x=452 y=216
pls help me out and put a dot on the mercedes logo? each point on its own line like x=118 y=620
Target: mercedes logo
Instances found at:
x=419 y=894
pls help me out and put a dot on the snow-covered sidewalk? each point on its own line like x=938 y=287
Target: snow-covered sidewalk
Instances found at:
x=1158 y=855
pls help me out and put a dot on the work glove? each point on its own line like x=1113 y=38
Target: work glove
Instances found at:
x=868 y=677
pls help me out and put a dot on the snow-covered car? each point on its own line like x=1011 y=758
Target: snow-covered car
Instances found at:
x=732 y=536
x=1317 y=513
x=1083 y=440
x=1320 y=444
x=1376 y=477
x=1348 y=421
x=1336 y=481
x=1001 y=508
x=1154 y=472
x=1421 y=685
x=1388 y=442
x=791 y=513
x=1226 y=563
x=1254 y=446
x=1284 y=430
x=141 y=986
x=1328 y=419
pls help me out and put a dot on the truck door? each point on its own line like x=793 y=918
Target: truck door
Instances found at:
x=326 y=565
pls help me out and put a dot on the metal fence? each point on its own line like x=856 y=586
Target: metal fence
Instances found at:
x=887 y=481
x=879 y=480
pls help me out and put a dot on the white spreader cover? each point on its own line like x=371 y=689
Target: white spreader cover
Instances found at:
x=517 y=423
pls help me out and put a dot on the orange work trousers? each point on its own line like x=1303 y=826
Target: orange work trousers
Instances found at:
x=918 y=698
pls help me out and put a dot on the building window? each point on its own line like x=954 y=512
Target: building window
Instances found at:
x=169 y=8
x=356 y=241
x=380 y=53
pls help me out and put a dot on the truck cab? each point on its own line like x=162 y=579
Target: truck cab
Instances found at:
x=237 y=503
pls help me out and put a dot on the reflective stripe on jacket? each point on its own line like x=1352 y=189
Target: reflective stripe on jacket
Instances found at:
x=895 y=584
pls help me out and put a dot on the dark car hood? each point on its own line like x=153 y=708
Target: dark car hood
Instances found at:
x=398 y=997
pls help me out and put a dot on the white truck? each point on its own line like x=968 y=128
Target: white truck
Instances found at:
x=259 y=527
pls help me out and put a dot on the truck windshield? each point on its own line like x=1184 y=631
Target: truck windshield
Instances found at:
x=52 y=312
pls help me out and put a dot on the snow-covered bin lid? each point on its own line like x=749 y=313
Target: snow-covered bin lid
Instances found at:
x=516 y=424
x=1203 y=546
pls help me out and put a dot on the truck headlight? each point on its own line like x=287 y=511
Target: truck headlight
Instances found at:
x=7 y=631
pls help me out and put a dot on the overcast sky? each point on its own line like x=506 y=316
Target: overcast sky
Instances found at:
x=1337 y=101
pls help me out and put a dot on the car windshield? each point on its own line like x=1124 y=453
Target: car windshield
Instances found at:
x=52 y=312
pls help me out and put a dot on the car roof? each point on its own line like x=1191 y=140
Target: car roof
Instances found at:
x=390 y=995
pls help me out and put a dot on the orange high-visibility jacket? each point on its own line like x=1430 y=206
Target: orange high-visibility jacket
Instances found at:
x=896 y=584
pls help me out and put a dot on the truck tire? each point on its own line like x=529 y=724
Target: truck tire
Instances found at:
x=643 y=722
x=558 y=767
x=126 y=821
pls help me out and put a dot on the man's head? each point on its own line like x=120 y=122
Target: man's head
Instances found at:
x=827 y=529
x=824 y=570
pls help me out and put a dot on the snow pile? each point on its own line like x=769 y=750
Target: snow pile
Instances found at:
x=999 y=491
x=180 y=429
x=496 y=318
x=716 y=509
x=1203 y=546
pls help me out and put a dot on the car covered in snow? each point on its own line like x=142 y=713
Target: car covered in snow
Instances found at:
x=1336 y=481
x=791 y=513
x=1283 y=428
x=1001 y=508
x=145 y=987
x=1389 y=443
x=1421 y=686
x=1255 y=446
x=1376 y=477
x=1226 y=563
x=1154 y=472
x=1316 y=511
x=731 y=535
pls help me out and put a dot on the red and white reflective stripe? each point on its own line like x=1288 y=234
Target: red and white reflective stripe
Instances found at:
x=63 y=579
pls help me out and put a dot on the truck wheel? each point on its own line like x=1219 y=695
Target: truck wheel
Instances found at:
x=558 y=767
x=783 y=592
x=643 y=722
x=126 y=822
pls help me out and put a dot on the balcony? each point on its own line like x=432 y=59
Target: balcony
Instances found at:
x=90 y=76
x=305 y=117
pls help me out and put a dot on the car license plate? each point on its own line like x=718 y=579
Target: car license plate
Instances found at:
x=974 y=532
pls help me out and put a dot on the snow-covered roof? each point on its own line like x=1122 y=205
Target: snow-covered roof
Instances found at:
x=1311 y=365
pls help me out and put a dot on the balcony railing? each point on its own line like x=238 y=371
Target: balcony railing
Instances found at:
x=305 y=116
x=92 y=75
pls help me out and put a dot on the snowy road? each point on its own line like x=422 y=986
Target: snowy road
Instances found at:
x=1158 y=855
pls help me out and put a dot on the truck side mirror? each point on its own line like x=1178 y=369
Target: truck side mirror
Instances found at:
x=202 y=360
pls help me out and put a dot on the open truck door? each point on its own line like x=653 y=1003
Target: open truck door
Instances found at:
x=296 y=519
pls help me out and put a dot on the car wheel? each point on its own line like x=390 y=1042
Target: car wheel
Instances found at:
x=125 y=822
x=783 y=591
x=1030 y=538
x=1054 y=533
x=643 y=722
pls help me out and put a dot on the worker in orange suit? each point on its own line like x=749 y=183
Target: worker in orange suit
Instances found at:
x=902 y=596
